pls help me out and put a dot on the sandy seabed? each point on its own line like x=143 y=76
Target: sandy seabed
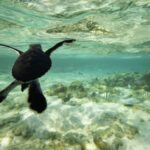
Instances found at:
x=98 y=114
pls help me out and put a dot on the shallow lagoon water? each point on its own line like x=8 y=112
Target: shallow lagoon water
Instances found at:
x=98 y=89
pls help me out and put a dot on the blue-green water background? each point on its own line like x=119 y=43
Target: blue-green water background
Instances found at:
x=112 y=38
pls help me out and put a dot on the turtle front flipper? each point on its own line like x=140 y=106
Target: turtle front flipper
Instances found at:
x=36 y=98
x=5 y=92
x=50 y=50
x=17 y=50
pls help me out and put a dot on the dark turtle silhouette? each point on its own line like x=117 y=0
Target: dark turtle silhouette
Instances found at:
x=28 y=67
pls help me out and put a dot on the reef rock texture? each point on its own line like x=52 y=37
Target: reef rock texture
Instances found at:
x=100 y=114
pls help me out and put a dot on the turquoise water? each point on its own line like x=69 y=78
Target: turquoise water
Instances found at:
x=98 y=89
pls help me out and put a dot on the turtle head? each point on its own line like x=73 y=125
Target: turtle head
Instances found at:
x=35 y=47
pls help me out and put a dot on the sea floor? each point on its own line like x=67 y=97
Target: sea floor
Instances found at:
x=109 y=113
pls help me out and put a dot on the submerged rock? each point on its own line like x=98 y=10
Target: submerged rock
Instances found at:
x=75 y=89
x=75 y=138
x=130 y=131
x=47 y=135
x=23 y=130
x=100 y=144
x=9 y=120
x=105 y=118
x=57 y=88
x=76 y=86
x=80 y=122
x=86 y=25
x=130 y=102
x=116 y=144
x=129 y=87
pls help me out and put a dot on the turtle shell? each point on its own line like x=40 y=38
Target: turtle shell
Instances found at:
x=31 y=65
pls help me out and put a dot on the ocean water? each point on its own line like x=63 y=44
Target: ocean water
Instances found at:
x=98 y=88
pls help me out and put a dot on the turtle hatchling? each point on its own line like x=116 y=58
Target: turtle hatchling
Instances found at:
x=27 y=69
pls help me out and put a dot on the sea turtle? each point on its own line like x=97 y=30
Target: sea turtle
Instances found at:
x=28 y=67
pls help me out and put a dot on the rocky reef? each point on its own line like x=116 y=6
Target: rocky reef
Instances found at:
x=99 y=114
x=86 y=25
x=134 y=88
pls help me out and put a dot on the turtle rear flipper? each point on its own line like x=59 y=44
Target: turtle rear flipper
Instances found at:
x=2 y=96
x=36 y=98
x=5 y=92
